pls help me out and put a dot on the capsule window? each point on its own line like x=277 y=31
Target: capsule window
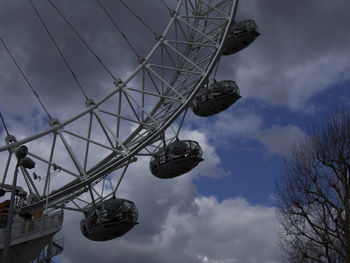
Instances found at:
x=162 y=159
x=200 y=152
x=105 y=212
x=127 y=206
x=194 y=145
x=177 y=148
x=203 y=97
x=245 y=25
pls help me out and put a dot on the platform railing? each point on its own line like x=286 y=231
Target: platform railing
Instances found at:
x=28 y=227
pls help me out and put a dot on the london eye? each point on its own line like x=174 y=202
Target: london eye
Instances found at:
x=78 y=163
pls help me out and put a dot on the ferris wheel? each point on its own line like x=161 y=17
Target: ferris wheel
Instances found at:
x=81 y=161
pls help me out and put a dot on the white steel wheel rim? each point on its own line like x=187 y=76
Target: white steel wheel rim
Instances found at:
x=203 y=31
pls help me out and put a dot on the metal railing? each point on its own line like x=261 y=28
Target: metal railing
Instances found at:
x=45 y=222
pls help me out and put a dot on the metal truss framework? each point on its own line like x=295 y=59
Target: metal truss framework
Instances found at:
x=135 y=119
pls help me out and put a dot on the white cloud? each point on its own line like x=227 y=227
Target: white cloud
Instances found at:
x=211 y=166
x=179 y=225
x=227 y=231
x=243 y=123
x=292 y=85
x=212 y=231
x=239 y=122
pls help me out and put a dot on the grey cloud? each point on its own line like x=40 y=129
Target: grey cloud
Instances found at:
x=299 y=53
x=177 y=224
x=280 y=139
x=35 y=53
x=239 y=123
x=293 y=36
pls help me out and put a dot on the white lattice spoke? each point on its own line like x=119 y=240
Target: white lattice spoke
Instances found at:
x=132 y=119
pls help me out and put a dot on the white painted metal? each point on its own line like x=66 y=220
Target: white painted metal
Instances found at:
x=170 y=76
x=29 y=237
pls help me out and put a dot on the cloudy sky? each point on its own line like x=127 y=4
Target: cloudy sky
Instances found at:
x=296 y=71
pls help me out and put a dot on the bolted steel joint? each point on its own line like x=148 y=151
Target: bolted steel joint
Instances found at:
x=140 y=60
x=89 y=102
x=117 y=82
x=53 y=122
x=159 y=37
x=10 y=139
x=172 y=13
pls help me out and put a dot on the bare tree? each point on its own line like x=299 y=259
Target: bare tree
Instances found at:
x=314 y=194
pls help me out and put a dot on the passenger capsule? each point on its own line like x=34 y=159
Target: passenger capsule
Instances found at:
x=112 y=218
x=177 y=158
x=216 y=98
x=241 y=35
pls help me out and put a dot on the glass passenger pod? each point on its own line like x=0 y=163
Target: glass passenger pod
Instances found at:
x=216 y=98
x=114 y=218
x=242 y=34
x=177 y=158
